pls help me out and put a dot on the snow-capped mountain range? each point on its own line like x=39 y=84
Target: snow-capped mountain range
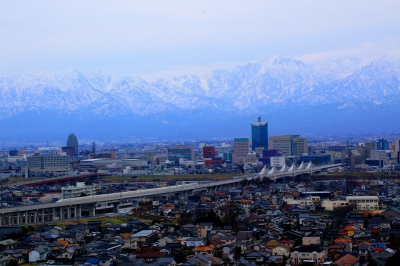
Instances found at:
x=276 y=87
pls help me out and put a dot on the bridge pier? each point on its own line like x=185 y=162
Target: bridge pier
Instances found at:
x=60 y=214
x=78 y=212
x=92 y=210
x=116 y=207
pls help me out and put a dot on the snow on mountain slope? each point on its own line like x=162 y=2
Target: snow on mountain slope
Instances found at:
x=248 y=88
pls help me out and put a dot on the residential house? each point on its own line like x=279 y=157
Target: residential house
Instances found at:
x=205 y=250
x=4 y=260
x=272 y=243
x=246 y=205
x=165 y=261
x=282 y=250
x=167 y=239
x=191 y=241
x=244 y=239
x=138 y=239
x=363 y=249
x=7 y=244
x=150 y=256
x=66 y=256
x=311 y=240
x=14 y=254
x=225 y=238
x=257 y=257
x=39 y=254
x=203 y=229
x=105 y=248
x=10 y=232
x=347 y=260
x=308 y=253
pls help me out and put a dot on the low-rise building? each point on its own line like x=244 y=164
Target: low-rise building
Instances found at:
x=363 y=202
x=58 y=163
x=79 y=190
x=314 y=254
x=330 y=205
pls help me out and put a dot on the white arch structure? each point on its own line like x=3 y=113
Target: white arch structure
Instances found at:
x=292 y=171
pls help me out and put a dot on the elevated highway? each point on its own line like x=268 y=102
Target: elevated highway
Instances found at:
x=74 y=207
x=53 y=180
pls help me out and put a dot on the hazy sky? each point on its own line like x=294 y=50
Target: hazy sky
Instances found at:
x=138 y=37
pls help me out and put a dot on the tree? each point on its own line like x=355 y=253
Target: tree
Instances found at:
x=180 y=257
x=213 y=218
x=237 y=252
x=366 y=223
x=340 y=213
x=393 y=260
x=13 y=263
x=25 y=230
x=231 y=213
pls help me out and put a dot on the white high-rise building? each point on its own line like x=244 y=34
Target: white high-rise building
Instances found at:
x=378 y=155
x=49 y=163
x=289 y=145
x=277 y=161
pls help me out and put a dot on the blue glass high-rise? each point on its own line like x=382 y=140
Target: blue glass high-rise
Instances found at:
x=259 y=134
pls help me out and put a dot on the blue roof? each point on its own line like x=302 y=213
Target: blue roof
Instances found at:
x=93 y=260
x=378 y=244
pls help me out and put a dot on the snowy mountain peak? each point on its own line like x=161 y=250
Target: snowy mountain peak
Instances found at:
x=247 y=88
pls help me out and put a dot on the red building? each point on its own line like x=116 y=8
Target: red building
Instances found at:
x=213 y=161
x=209 y=152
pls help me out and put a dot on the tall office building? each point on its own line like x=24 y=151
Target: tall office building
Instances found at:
x=259 y=134
x=93 y=147
x=241 y=150
x=289 y=145
x=174 y=153
x=397 y=149
x=72 y=141
x=354 y=157
x=382 y=145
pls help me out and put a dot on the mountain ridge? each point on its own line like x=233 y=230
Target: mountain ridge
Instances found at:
x=276 y=86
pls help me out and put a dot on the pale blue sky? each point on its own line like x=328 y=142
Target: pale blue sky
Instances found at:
x=141 y=37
